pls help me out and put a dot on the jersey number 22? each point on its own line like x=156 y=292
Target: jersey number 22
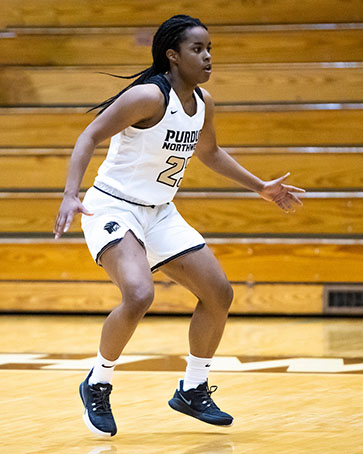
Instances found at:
x=178 y=164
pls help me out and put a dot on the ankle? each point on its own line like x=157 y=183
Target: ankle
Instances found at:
x=102 y=371
x=196 y=372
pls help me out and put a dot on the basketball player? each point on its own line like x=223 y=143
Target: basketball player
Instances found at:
x=131 y=225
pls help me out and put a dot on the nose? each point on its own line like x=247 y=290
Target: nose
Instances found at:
x=207 y=55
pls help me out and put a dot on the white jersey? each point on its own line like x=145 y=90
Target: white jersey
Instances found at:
x=146 y=166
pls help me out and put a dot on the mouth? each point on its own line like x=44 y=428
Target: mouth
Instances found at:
x=208 y=68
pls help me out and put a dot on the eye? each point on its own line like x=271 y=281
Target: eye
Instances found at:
x=197 y=49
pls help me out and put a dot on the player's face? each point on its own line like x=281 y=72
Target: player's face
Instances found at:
x=194 y=58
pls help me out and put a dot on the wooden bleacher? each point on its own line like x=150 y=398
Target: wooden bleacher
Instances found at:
x=265 y=125
x=33 y=212
x=287 y=81
x=317 y=168
x=231 y=44
x=111 y=13
x=280 y=276
x=262 y=83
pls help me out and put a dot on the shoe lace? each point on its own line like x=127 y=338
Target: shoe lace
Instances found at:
x=205 y=395
x=101 y=398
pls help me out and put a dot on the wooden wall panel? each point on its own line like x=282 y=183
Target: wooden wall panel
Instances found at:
x=169 y=298
x=251 y=261
x=321 y=214
x=257 y=83
x=268 y=126
x=27 y=169
x=230 y=45
x=259 y=64
x=289 y=127
x=143 y=12
x=308 y=170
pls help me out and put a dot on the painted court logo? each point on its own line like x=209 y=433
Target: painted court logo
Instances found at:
x=111 y=227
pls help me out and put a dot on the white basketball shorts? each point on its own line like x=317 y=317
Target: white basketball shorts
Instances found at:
x=162 y=231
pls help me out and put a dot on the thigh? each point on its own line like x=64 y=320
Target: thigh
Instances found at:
x=128 y=267
x=110 y=221
x=200 y=272
x=169 y=237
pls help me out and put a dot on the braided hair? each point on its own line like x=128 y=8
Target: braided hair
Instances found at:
x=169 y=35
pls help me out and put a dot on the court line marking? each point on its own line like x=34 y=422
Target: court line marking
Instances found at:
x=45 y=361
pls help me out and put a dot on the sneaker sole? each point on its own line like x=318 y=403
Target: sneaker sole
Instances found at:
x=179 y=405
x=86 y=419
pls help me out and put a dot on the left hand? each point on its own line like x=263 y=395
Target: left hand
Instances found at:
x=281 y=194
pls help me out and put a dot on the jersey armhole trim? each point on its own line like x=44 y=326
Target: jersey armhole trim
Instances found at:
x=162 y=82
x=199 y=92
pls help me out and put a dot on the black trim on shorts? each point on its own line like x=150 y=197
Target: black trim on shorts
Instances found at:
x=124 y=200
x=114 y=243
x=186 y=251
x=107 y=246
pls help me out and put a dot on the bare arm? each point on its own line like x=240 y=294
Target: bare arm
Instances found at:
x=221 y=162
x=139 y=104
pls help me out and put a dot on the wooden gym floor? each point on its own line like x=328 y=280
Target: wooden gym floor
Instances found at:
x=294 y=385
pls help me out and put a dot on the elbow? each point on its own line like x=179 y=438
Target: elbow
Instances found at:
x=209 y=158
x=84 y=146
x=87 y=139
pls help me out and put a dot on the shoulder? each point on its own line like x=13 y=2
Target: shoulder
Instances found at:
x=209 y=103
x=141 y=101
x=148 y=93
x=139 y=104
x=207 y=97
x=163 y=85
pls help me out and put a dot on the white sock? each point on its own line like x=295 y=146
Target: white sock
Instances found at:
x=102 y=371
x=196 y=372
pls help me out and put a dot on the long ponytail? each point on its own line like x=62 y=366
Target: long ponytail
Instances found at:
x=168 y=36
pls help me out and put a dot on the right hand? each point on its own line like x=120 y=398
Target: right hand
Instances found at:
x=69 y=207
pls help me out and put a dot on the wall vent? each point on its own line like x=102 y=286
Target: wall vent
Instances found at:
x=343 y=299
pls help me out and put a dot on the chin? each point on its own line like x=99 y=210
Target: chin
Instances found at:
x=204 y=78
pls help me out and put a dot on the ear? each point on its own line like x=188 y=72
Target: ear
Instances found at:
x=172 y=56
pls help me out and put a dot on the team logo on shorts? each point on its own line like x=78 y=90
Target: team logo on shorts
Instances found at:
x=111 y=227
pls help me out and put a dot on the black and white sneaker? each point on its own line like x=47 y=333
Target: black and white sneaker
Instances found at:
x=197 y=402
x=97 y=409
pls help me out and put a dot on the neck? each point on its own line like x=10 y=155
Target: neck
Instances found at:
x=180 y=86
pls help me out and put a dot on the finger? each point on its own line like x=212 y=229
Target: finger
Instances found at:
x=295 y=199
x=68 y=223
x=293 y=188
x=58 y=228
x=55 y=225
x=287 y=203
x=282 y=205
x=85 y=211
x=58 y=232
x=283 y=178
x=287 y=206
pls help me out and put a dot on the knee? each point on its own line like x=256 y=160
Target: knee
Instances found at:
x=228 y=295
x=138 y=299
x=223 y=295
